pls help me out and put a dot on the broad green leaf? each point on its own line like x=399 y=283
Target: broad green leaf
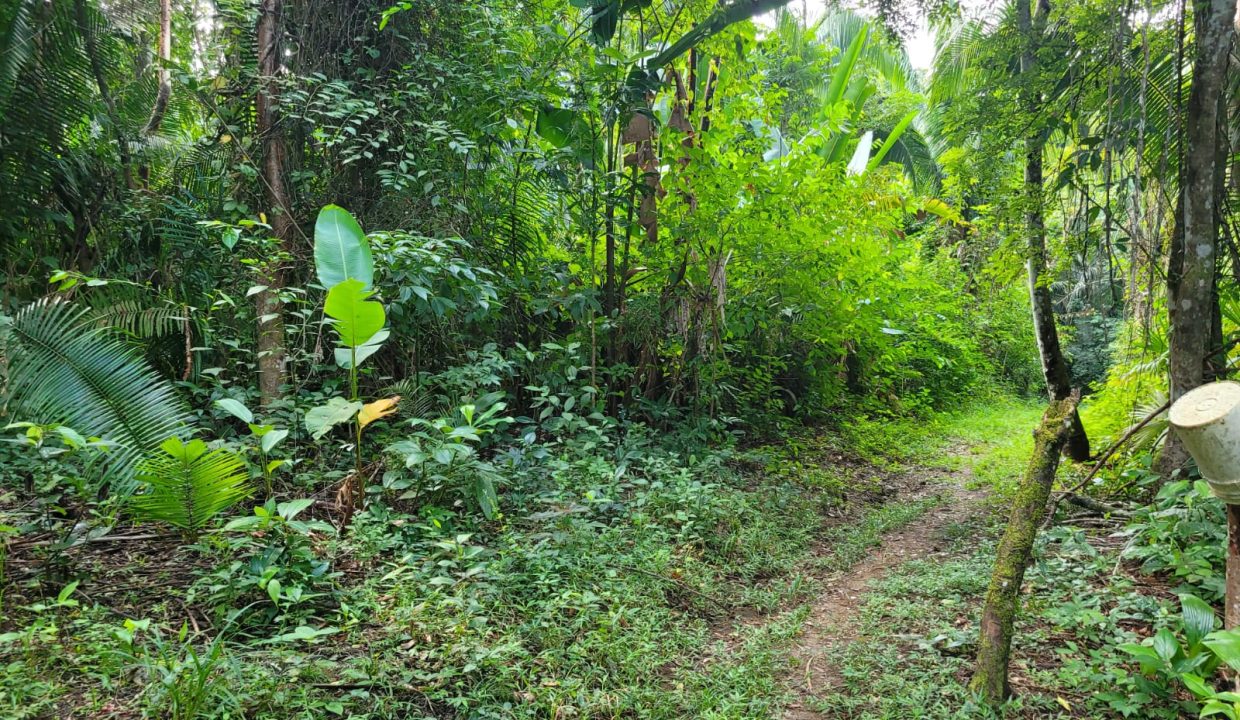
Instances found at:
x=605 y=14
x=1166 y=645
x=842 y=74
x=1214 y=707
x=292 y=508
x=304 y=633
x=66 y=592
x=357 y=319
x=488 y=500
x=320 y=420
x=557 y=125
x=1226 y=645
x=247 y=522
x=935 y=206
x=1199 y=619
x=71 y=437
x=341 y=251
x=566 y=128
x=236 y=408
x=1196 y=685
x=345 y=356
x=892 y=139
x=273 y=438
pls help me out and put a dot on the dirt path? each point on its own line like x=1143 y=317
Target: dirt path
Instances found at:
x=832 y=622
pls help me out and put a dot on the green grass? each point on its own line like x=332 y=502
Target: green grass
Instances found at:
x=605 y=601
x=996 y=432
x=918 y=631
x=999 y=440
x=850 y=544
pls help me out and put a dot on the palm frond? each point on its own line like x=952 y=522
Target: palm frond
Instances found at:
x=62 y=368
x=187 y=485
x=134 y=312
x=17 y=46
x=417 y=399
x=1153 y=433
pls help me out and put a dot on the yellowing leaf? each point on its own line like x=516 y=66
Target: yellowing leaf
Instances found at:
x=376 y=410
x=1064 y=703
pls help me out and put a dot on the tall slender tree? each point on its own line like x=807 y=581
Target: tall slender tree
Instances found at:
x=271 y=352
x=1031 y=22
x=1191 y=298
x=164 y=94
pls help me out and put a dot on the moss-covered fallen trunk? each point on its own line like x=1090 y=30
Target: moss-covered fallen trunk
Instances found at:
x=990 y=676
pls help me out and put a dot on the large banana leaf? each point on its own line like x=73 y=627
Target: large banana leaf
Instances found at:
x=62 y=368
x=892 y=138
x=341 y=251
x=357 y=319
x=842 y=77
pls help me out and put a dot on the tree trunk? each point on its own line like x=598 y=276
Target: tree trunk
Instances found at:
x=990 y=675
x=1054 y=366
x=271 y=356
x=105 y=93
x=1231 y=598
x=1194 y=241
x=165 y=80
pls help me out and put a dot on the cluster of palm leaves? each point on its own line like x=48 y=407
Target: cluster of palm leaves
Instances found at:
x=862 y=63
x=60 y=366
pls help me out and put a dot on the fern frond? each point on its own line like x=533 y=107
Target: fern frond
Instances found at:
x=417 y=400
x=138 y=319
x=188 y=485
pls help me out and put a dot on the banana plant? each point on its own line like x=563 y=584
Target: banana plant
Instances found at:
x=345 y=266
x=841 y=97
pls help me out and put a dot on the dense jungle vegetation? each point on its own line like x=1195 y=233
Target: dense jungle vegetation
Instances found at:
x=561 y=359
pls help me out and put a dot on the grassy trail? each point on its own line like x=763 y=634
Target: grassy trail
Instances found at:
x=945 y=473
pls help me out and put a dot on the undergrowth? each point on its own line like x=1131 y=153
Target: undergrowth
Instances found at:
x=600 y=602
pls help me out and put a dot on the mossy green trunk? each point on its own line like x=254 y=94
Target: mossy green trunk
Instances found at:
x=990 y=676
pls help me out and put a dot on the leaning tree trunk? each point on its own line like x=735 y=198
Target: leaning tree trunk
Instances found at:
x=268 y=304
x=1194 y=241
x=990 y=676
x=1054 y=366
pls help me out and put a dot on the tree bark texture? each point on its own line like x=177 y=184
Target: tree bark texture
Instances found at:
x=1054 y=365
x=1194 y=241
x=271 y=354
x=164 y=94
x=990 y=674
